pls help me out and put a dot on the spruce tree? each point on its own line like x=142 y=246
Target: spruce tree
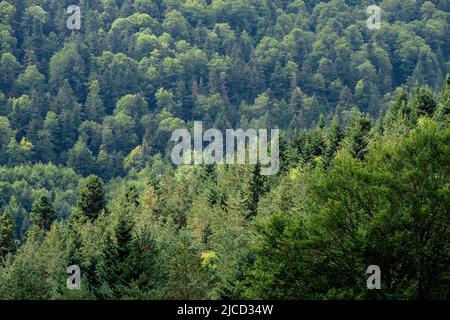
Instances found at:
x=356 y=134
x=209 y=177
x=69 y=117
x=113 y=271
x=92 y=198
x=315 y=143
x=106 y=273
x=334 y=138
x=42 y=213
x=95 y=109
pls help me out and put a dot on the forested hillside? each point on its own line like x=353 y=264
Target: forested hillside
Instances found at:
x=86 y=118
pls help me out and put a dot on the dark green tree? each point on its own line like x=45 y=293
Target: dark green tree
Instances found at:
x=81 y=158
x=42 y=213
x=257 y=188
x=92 y=198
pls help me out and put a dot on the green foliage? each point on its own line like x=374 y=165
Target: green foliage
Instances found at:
x=42 y=214
x=7 y=241
x=229 y=64
x=390 y=209
x=81 y=158
x=364 y=173
x=356 y=139
x=423 y=103
x=95 y=109
x=92 y=198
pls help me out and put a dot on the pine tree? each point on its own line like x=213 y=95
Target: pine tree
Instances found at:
x=42 y=213
x=92 y=198
x=7 y=241
x=427 y=71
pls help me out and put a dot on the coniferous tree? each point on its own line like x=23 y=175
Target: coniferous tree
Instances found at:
x=95 y=109
x=42 y=213
x=315 y=143
x=356 y=134
x=80 y=158
x=105 y=99
x=398 y=108
x=334 y=138
x=69 y=117
x=256 y=185
x=128 y=256
x=423 y=102
x=92 y=198
x=443 y=110
x=7 y=241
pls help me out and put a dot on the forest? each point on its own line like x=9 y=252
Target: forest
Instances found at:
x=86 y=179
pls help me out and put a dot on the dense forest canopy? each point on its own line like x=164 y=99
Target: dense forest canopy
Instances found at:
x=86 y=118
